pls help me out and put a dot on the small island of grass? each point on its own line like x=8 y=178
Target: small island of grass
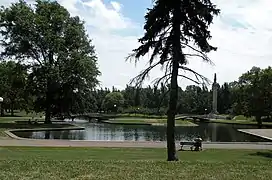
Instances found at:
x=145 y=121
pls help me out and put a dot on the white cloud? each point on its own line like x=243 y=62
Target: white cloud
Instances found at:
x=117 y=6
x=242 y=33
x=98 y=15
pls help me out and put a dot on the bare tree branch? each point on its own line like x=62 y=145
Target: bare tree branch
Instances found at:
x=158 y=80
x=197 y=82
x=203 y=55
x=197 y=75
x=143 y=75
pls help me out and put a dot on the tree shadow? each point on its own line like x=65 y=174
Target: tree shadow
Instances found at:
x=266 y=154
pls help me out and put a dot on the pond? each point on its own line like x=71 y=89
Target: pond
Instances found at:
x=210 y=132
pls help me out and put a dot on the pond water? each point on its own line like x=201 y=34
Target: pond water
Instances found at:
x=210 y=132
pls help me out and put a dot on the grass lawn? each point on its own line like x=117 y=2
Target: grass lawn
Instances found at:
x=248 y=122
x=136 y=115
x=127 y=163
x=10 y=125
x=147 y=121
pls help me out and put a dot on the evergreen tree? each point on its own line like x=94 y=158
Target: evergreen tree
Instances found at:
x=172 y=26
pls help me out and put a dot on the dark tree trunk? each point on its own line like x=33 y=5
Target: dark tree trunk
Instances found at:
x=259 y=121
x=47 y=135
x=171 y=146
x=12 y=109
x=48 y=115
x=48 y=102
x=49 y=94
x=1 y=110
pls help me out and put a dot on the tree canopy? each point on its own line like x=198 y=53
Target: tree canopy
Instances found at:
x=56 y=46
x=13 y=78
x=256 y=93
x=113 y=101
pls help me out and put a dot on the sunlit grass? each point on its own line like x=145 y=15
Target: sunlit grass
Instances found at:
x=132 y=163
x=148 y=121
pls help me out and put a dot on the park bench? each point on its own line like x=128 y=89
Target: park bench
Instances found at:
x=195 y=145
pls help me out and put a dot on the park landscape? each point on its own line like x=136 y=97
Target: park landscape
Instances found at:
x=57 y=123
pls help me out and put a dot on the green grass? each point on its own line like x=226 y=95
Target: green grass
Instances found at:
x=136 y=115
x=147 y=121
x=245 y=122
x=8 y=125
x=241 y=117
x=11 y=119
x=127 y=163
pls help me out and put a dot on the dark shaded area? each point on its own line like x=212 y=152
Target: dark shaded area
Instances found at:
x=9 y=115
x=30 y=126
x=267 y=154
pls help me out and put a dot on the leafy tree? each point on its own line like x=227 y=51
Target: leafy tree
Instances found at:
x=13 y=80
x=113 y=101
x=99 y=97
x=57 y=48
x=256 y=88
x=171 y=27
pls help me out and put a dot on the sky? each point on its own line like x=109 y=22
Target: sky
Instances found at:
x=242 y=33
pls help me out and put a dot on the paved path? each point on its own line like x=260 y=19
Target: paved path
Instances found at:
x=263 y=133
x=70 y=143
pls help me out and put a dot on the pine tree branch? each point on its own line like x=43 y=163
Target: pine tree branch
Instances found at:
x=197 y=82
x=158 y=80
x=202 y=55
x=198 y=76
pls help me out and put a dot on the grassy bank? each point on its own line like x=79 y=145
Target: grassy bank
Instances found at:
x=245 y=122
x=136 y=115
x=148 y=121
x=128 y=163
x=10 y=125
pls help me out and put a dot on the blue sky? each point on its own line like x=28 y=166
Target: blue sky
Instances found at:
x=242 y=34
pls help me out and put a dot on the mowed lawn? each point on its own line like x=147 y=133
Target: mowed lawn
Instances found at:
x=130 y=163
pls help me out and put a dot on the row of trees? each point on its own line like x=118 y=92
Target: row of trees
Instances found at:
x=250 y=95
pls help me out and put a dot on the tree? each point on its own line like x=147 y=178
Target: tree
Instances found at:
x=171 y=28
x=224 y=103
x=113 y=101
x=13 y=77
x=256 y=88
x=56 y=46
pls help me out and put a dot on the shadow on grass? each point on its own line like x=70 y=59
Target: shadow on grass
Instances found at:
x=26 y=125
x=266 y=154
x=8 y=115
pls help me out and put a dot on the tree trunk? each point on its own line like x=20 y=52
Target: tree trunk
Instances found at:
x=48 y=103
x=12 y=110
x=172 y=108
x=1 y=110
x=48 y=97
x=259 y=121
x=47 y=115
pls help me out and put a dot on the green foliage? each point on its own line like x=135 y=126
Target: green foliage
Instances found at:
x=255 y=92
x=13 y=82
x=113 y=101
x=59 y=51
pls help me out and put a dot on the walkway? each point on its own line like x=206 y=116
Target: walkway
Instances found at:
x=75 y=143
x=263 y=133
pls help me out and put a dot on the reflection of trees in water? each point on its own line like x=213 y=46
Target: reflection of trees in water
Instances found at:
x=207 y=131
x=47 y=135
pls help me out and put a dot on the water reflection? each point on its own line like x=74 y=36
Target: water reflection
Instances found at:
x=208 y=131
